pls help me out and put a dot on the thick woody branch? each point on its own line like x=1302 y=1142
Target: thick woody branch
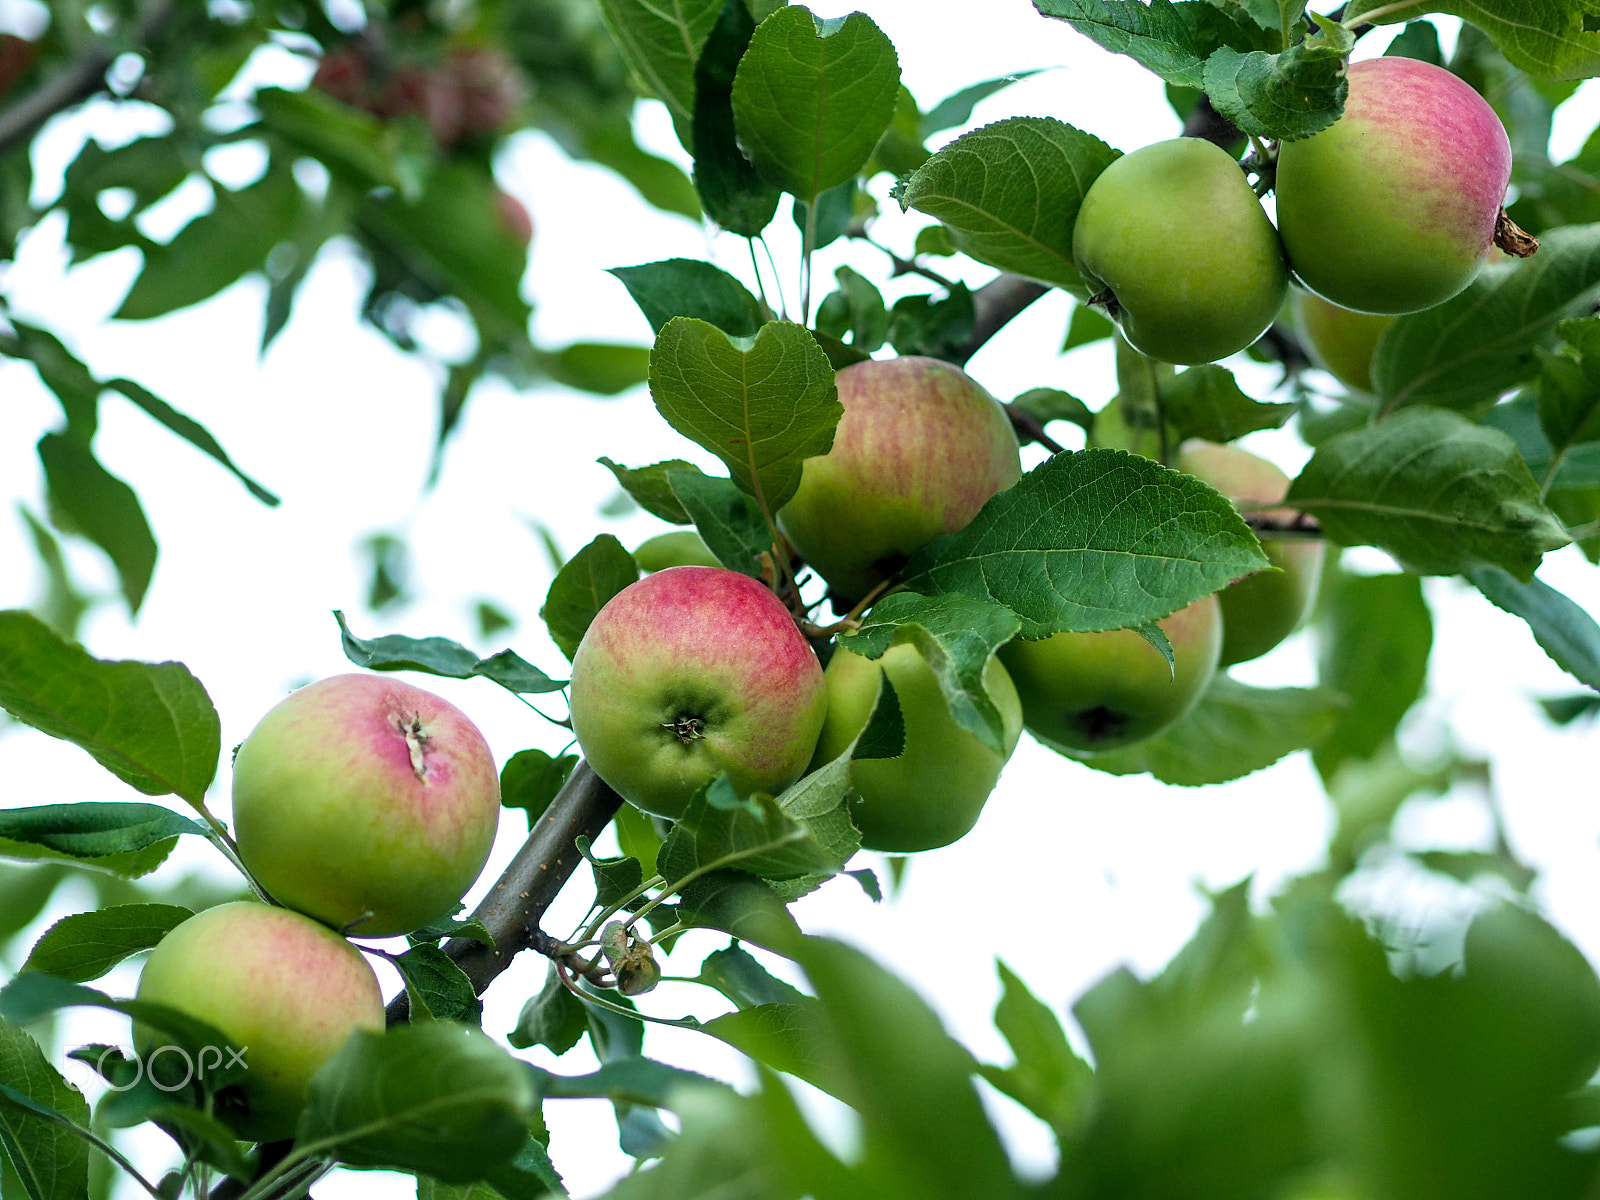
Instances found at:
x=994 y=304
x=512 y=910
x=79 y=79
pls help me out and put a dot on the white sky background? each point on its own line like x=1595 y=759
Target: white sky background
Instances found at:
x=1069 y=872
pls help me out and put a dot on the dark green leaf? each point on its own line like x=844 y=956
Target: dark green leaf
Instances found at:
x=729 y=522
x=190 y=431
x=583 y=586
x=834 y=216
x=661 y=45
x=1009 y=194
x=720 y=829
x=810 y=104
x=1562 y=628
x=1051 y=404
x=553 y=1018
x=214 y=250
x=151 y=725
x=445 y=658
x=1474 y=347
x=1569 y=388
x=1441 y=494
x=737 y=974
x=605 y=368
x=856 y=310
x=787 y=1036
x=129 y=840
x=936 y=328
x=530 y=780
x=50 y=1162
x=1206 y=402
x=438 y=988
x=733 y=192
x=957 y=109
x=687 y=287
x=1546 y=38
x=102 y=508
x=1234 y=730
x=763 y=408
x=434 y=1097
x=1086 y=325
x=650 y=489
x=742 y=905
x=1289 y=95
x=1566 y=710
x=1173 y=40
x=1097 y=540
x=86 y=945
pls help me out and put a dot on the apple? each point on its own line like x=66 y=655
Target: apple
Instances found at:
x=513 y=216
x=1339 y=340
x=689 y=673
x=1392 y=208
x=1176 y=246
x=1090 y=692
x=1261 y=609
x=919 y=450
x=933 y=792
x=284 y=990
x=487 y=83
x=366 y=803
x=675 y=548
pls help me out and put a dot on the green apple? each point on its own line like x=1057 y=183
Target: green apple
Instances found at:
x=689 y=673
x=1261 y=609
x=1175 y=244
x=1392 y=208
x=919 y=450
x=367 y=803
x=284 y=990
x=933 y=792
x=675 y=548
x=1339 y=340
x=1089 y=692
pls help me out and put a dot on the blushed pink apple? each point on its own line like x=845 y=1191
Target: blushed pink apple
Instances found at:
x=1392 y=208
x=1262 y=609
x=285 y=991
x=366 y=802
x=919 y=450
x=1089 y=692
x=691 y=672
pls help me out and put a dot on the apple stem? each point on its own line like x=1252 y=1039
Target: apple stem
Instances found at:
x=571 y=985
x=1512 y=238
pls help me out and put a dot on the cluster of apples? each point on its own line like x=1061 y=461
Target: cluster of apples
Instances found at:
x=696 y=670
x=363 y=805
x=1391 y=209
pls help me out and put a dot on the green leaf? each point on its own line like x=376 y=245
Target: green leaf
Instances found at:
x=438 y=989
x=434 y=1097
x=1009 y=194
x=956 y=109
x=1565 y=632
x=1234 y=729
x=604 y=368
x=629 y=1080
x=32 y=996
x=101 y=507
x=1442 y=495
x=1048 y=1078
x=739 y=976
x=733 y=192
x=129 y=839
x=212 y=251
x=856 y=310
x=810 y=104
x=1476 y=346
x=1569 y=388
x=688 y=287
x=742 y=905
x=720 y=829
x=190 y=431
x=1052 y=404
x=1086 y=325
x=151 y=725
x=943 y=1144
x=445 y=658
x=1374 y=634
x=1550 y=39
x=787 y=1036
x=957 y=635
x=650 y=489
x=1282 y=96
x=762 y=408
x=530 y=780
x=86 y=945
x=1173 y=40
x=730 y=523
x=50 y=1162
x=1206 y=402
x=936 y=328
x=661 y=44
x=1101 y=539
x=583 y=586
x=354 y=145
x=553 y=1017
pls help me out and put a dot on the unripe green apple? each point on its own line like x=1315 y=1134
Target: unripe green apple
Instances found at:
x=1178 y=244
x=919 y=450
x=1392 y=208
x=675 y=548
x=366 y=803
x=691 y=672
x=284 y=990
x=933 y=792
x=1339 y=340
x=1261 y=609
x=1090 y=692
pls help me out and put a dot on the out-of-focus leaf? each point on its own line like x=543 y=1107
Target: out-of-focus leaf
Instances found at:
x=102 y=508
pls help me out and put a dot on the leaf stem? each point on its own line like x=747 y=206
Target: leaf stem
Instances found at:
x=777 y=279
x=1371 y=14
x=761 y=288
x=571 y=985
